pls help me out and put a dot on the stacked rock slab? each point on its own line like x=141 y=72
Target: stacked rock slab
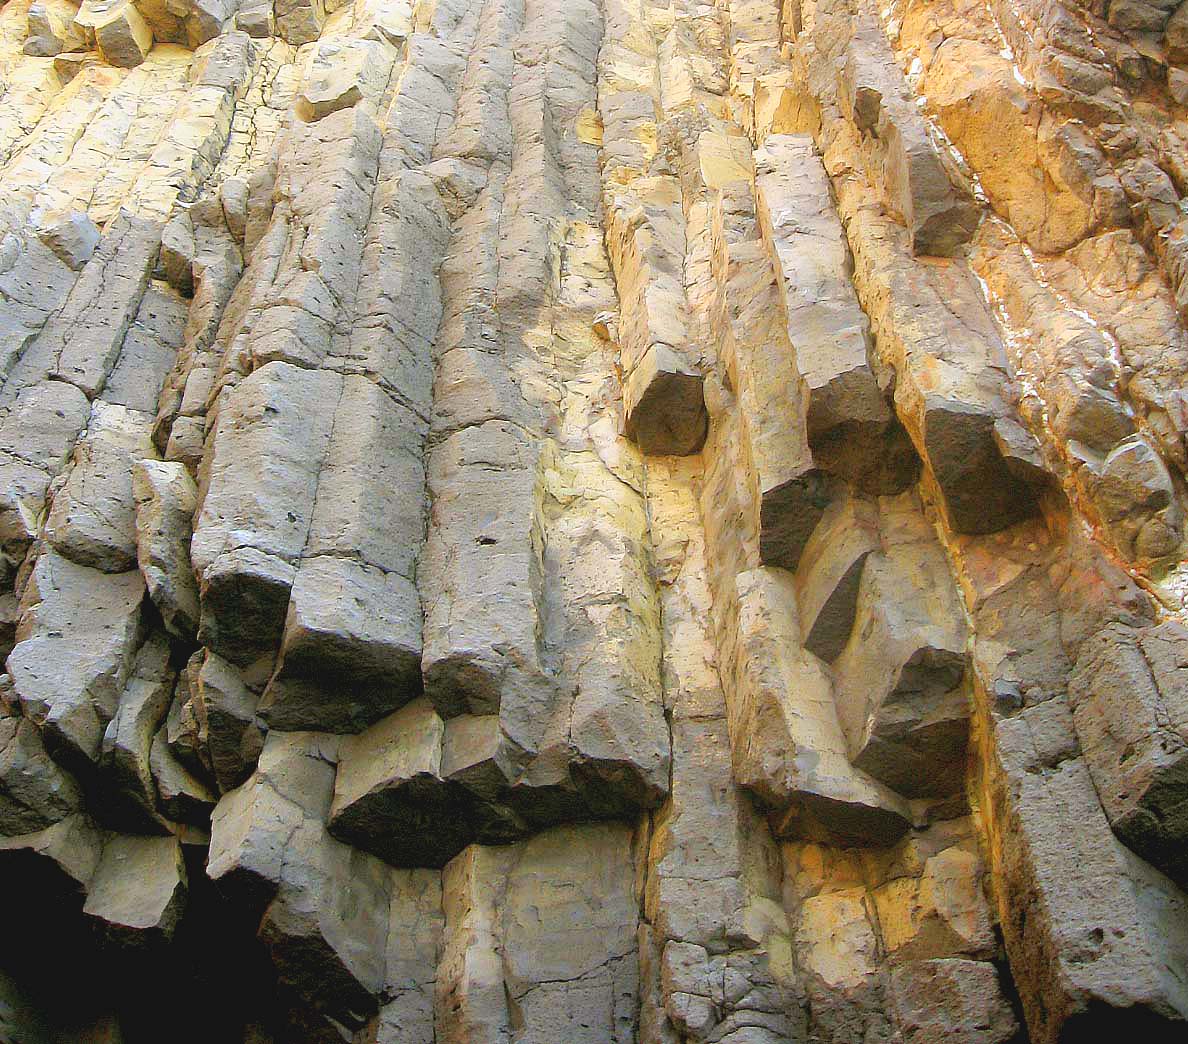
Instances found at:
x=572 y=520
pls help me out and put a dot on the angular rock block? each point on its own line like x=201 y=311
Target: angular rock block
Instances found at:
x=1069 y=978
x=123 y=35
x=830 y=572
x=52 y=28
x=227 y=709
x=351 y=647
x=326 y=905
x=664 y=404
x=138 y=891
x=188 y=22
x=1129 y=695
x=166 y=498
x=415 y=926
x=71 y=235
x=63 y=856
x=1044 y=174
x=34 y=791
x=181 y=796
x=899 y=691
x=788 y=747
x=415 y=789
x=91 y=521
x=662 y=388
x=902 y=160
x=792 y=491
x=390 y=796
x=36 y=435
x=1135 y=494
x=851 y=428
x=340 y=73
x=299 y=21
x=78 y=635
x=128 y=739
x=82 y=342
x=541 y=936
x=837 y=950
x=478 y=572
x=705 y=996
x=258 y=494
x=935 y=906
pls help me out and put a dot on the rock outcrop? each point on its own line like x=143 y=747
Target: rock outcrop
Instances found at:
x=533 y=521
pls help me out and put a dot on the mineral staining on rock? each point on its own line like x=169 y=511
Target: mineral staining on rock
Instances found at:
x=568 y=520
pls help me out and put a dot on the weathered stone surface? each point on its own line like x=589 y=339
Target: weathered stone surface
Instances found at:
x=72 y=236
x=128 y=739
x=850 y=426
x=827 y=582
x=664 y=411
x=341 y=74
x=76 y=640
x=579 y=972
x=900 y=699
x=690 y=483
x=326 y=915
x=256 y=502
x=91 y=520
x=139 y=889
x=951 y=1000
x=35 y=441
x=34 y=792
x=1039 y=171
x=227 y=707
x=788 y=743
x=903 y=159
x=1061 y=850
x=351 y=647
x=1129 y=703
x=166 y=497
x=389 y=792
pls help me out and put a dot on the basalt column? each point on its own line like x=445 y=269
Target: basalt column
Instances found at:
x=534 y=521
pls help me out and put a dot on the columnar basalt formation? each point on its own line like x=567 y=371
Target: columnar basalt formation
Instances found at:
x=527 y=521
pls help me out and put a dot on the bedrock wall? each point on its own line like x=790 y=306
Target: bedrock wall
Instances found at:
x=539 y=521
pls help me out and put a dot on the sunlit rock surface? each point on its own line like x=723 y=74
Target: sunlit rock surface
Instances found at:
x=538 y=521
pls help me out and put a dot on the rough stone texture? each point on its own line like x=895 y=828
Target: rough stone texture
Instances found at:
x=1128 y=700
x=165 y=498
x=898 y=680
x=544 y=521
x=139 y=888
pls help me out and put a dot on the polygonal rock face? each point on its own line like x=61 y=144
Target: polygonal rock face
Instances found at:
x=1130 y=705
x=788 y=743
x=34 y=791
x=165 y=498
x=899 y=679
x=139 y=889
x=78 y=634
x=543 y=521
x=341 y=74
x=123 y=36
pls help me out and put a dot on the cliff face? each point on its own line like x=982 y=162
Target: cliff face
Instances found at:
x=593 y=520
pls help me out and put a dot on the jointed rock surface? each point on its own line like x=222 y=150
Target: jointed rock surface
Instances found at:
x=589 y=521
